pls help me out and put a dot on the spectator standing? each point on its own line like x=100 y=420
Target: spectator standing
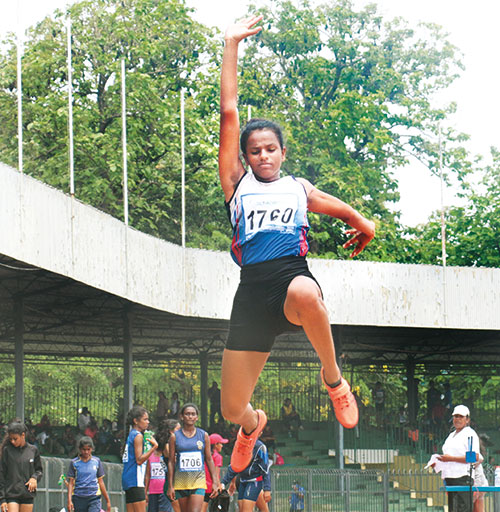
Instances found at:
x=378 y=394
x=83 y=419
x=433 y=398
x=297 y=497
x=448 y=399
x=174 y=405
x=161 y=407
x=456 y=470
x=86 y=480
x=214 y=397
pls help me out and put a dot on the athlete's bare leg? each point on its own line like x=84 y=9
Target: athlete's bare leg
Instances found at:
x=240 y=372
x=304 y=306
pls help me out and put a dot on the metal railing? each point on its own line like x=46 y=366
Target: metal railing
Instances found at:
x=324 y=489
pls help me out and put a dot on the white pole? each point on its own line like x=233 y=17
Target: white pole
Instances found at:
x=70 y=114
x=183 y=175
x=249 y=112
x=443 y=225
x=19 y=91
x=124 y=147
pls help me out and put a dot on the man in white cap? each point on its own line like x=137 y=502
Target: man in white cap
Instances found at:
x=456 y=471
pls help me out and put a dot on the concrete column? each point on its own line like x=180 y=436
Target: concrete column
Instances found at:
x=128 y=383
x=19 y=357
x=204 y=390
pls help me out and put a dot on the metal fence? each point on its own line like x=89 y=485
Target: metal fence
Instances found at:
x=324 y=490
x=51 y=493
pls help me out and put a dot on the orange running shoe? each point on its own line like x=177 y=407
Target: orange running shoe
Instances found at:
x=344 y=403
x=243 y=447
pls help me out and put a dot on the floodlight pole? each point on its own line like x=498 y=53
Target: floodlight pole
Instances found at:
x=183 y=173
x=70 y=113
x=19 y=92
x=443 y=227
x=124 y=144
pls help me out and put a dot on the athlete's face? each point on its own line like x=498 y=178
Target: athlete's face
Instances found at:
x=189 y=416
x=142 y=423
x=17 y=440
x=264 y=154
x=85 y=452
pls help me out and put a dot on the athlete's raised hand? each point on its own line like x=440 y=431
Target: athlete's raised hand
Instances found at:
x=243 y=29
x=359 y=239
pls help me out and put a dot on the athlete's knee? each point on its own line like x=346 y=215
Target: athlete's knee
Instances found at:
x=305 y=297
x=232 y=410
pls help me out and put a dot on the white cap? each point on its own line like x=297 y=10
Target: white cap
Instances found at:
x=461 y=410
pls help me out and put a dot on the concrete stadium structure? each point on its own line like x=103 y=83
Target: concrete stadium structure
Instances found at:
x=76 y=281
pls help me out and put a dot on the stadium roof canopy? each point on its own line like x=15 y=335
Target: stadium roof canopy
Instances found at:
x=77 y=282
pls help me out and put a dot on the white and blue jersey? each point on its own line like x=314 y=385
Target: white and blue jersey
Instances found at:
x=86 y=475
x=133 y=474
x=269 y=220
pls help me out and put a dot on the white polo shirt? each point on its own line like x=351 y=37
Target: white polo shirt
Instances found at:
x=456 y=444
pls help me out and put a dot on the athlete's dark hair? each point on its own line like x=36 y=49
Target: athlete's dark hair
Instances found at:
x=136 y=413
x=85 y=441
x=16 y=426
x=260 y=124
x=164 y=432
x=189 y=404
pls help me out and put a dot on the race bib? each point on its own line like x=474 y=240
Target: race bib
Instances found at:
x=190 y=461
x=157 y=471
x=266 y=212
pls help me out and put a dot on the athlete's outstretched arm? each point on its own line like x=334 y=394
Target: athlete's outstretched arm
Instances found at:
x=230 y=166
x=321 y=202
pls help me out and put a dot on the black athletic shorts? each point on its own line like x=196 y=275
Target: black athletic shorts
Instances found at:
x=20 y=501
x=135 y=495
x=257 y=316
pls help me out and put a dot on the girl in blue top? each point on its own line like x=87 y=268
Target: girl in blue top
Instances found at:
x=86 y=480
x=186 y=470
x=134 y=458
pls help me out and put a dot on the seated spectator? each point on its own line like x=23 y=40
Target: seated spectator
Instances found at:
x=104 y=439
x=290 y=416
x=43 y=425
x=267 y=437
x=68 y=441
x=92 y=428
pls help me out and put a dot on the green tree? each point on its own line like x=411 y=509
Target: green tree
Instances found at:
x=164 y=51
x=353 y=93
x=472 y=231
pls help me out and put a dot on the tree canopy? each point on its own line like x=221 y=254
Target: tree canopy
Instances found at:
x=353 y=91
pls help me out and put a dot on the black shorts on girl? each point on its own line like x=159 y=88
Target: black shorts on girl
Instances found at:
x=258 y=316
x=135 y=495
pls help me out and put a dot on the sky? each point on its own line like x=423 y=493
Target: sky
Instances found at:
x=472 y=27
